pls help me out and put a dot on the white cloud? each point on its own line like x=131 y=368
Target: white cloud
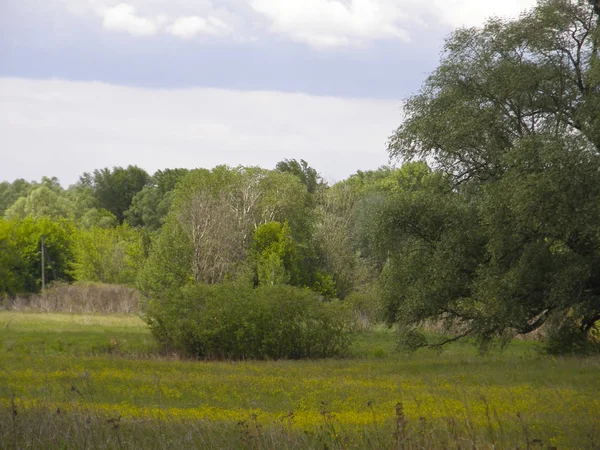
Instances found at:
x=336 y=23
x=457 y=13
x=122 y=17
x=64 y=128
x=180 y=18
x=323 y=24
x=191 y=26
x=331 y=23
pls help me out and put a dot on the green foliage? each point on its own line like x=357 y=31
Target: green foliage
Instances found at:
x=212 y=219
x=107 y=255
x=101 y=218
x=366 y=307
x=504 y=258
x=325 y=285
x=306 y=174
x=13 y=277
x=429 y=241
x=235 y=321
x=169 y=264
x=271 y=248
x=42 y=201
x=11 y=192
x=508 y=241
x=150 y=206
x=21 y=261
x=566 y=338
x=277 y=258
x=114 y=190
x=147 y=208
x=498 y=84
x=344 y=231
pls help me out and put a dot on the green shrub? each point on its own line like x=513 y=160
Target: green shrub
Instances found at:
x=568 y=339
x=234 y=321
x=366 y=308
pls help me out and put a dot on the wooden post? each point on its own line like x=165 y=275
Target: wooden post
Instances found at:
x=43 y=266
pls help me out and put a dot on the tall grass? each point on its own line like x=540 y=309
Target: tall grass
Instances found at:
x=87 y=298
x=93 y=381
x=83 y=426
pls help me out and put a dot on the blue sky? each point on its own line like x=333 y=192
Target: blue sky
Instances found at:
x=86 y=84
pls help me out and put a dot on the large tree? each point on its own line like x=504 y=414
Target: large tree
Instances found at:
x=505 y=237
x=11 y=192
x=115 y=189
x=306 y=174
x=42 y=201
x=150 y=206
x=501 y=83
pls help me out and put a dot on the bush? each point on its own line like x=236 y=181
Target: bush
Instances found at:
x=568 y=339
x=366 y=308
x=234 y=321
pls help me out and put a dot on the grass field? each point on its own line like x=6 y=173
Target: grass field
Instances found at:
x=75 y=381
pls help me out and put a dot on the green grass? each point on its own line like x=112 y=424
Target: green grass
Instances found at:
x=71 y=334
x=98 y=367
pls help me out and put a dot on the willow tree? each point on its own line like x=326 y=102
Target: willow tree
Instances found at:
x=509 y=241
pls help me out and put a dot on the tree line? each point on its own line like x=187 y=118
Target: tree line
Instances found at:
x=489 y=225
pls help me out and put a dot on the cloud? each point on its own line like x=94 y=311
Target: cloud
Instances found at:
x=140 y=18
x=322 y=24
x=337 y=23
x=331 y=23
x=63 y=128
x=457 y=13
x=122 y=17
x=191 y=26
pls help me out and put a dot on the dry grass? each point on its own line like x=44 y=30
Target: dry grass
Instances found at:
x=86 y=298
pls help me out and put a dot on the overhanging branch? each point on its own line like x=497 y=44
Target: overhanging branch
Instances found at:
x=449 y=340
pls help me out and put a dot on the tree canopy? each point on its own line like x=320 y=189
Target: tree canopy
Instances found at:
x=538 y=75
x=504 y=237
x=115 y=189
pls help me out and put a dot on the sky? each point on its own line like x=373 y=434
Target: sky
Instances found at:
x=87 y=84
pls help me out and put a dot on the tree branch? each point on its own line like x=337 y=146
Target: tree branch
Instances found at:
x=449 y=340
x=538 y=322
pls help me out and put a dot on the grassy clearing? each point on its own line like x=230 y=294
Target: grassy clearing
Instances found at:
x=98 y=368
x=49 y=335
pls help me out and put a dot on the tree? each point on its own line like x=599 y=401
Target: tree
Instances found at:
x=114 y=190
x=22 y=262
x=505 y=259
x=13 y=276
x=42 y=201
x=150 y=206
x=101 y=218
x=147 y=209
x=504 y=238
x=273 y=251
x=11 y=192
x=107 y=255
x=509 y=80
x=169 y=264
x=306 y=174
x=345 y=229
x=213 y=218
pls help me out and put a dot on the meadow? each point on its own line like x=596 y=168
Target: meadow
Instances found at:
x=98 y=381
